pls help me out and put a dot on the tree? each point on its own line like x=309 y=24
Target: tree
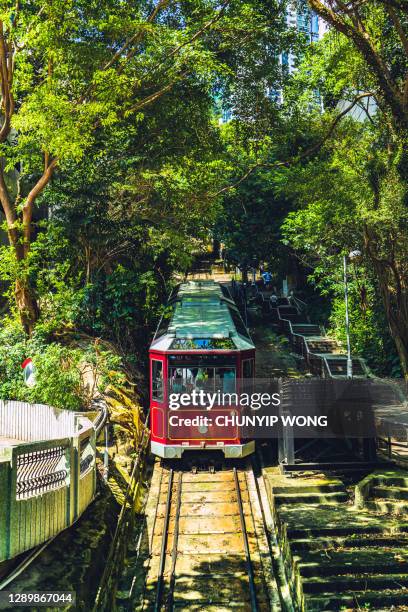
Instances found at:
x=351 y=197
x=249 y=223
x=125 y=218
x=378 y=29
x=361 y=193
x=69 y=71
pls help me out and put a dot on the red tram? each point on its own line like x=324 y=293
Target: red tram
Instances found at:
x=201 y=338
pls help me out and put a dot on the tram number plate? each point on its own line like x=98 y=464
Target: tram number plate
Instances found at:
x=37 y=599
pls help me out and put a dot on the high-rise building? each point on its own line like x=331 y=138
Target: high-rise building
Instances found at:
x=299 y=17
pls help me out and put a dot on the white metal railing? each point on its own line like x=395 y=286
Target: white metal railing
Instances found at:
x=35 y=422
x=47 y=473
x=40 y=471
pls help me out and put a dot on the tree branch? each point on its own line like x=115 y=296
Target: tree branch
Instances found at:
x=5 y=200
x=137 y=37
x=7 y=101
x=398 y=26
x=193 y=38
x=295 y=159
x=133 y=40
x=156 y=95
x=363 y=43
x=10 y=213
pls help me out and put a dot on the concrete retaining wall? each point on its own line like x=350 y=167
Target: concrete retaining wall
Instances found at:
x=46 y=483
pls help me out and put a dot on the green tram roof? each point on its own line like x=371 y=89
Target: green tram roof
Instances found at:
x=201 y=315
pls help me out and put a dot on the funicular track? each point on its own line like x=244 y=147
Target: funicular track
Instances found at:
x=210 y=543
x=335 y=554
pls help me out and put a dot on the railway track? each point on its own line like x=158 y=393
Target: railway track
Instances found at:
x=209 y=543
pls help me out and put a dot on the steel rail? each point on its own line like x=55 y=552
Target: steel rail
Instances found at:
x=170 y=599
x=250 y=571
x=160 y=575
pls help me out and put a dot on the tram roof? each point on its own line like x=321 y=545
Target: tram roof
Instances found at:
x=201 y=315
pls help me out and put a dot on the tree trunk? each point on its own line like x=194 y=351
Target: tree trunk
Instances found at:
x=20 y=240
x=399 y=332
x=395 y=300
x=402 y=348
x=26 y=305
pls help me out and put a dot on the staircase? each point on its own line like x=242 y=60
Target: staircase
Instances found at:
x=323 y=345
x=339 y=556
x=388 y=493
x=306 y=329
x=338 y=366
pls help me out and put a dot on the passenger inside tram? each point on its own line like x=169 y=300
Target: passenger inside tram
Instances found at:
x=184 y=380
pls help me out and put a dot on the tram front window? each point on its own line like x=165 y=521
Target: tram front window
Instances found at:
x=188 y=379
x=225 y=380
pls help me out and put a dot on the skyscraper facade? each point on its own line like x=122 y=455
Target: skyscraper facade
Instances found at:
x=301 y=18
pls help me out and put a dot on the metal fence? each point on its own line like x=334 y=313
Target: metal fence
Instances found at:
x=47 y=473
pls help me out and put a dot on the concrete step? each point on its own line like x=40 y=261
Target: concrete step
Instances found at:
x=342 y=584
x=382 y=601
x=392 y=480
x=360 y=561
x=388 y=506
x=311 y=498
x=341 y=530
x=348 y=541
x=338 y=466
x=304 y=520
x=389 y=492
x=330 y=487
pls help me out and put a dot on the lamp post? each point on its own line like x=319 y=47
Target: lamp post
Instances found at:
x=353 y=255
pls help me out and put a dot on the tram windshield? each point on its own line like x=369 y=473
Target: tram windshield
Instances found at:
x=187 y=379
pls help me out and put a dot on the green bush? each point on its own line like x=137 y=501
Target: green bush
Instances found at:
x=369 y=333
x=59 y=369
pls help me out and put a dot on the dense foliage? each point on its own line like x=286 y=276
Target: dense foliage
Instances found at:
x=116 y=168
x=113 y=163
x=66 y=376
x=339 y=164
x=75 y=77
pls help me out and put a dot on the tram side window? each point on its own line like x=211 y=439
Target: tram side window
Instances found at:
x=248 y=368
x=248 y=375
x=157 y=380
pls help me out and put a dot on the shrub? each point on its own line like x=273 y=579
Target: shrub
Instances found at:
x=62 y=372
